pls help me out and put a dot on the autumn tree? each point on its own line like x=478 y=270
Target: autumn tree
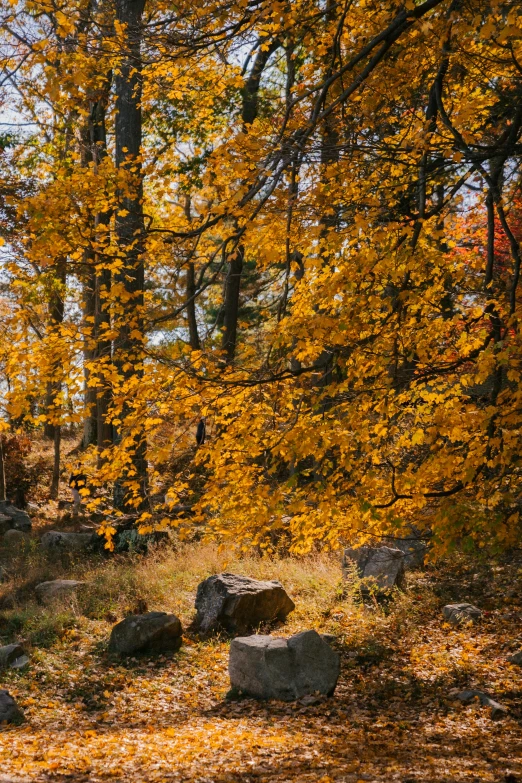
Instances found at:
x=344 y=175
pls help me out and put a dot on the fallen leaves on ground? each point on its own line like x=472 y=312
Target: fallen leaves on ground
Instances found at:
x=91 y=717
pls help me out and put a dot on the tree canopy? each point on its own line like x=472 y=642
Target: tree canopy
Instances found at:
x=300 y=220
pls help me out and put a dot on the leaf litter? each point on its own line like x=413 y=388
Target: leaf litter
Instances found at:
x=92 y=717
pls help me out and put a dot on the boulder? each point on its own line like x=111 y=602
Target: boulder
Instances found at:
x=329 y=638
x=6 y=523
x=381 y=568
x=19 y=519
x=267 y=667
x=15 y=538
x=70 y=542
x=10 y=712
x=461 y=613
x=238 y=604
x=57 y=589
x=20 y=663
x=516 y=658
x=154 y=632
x=466 y=697
x=11 y=655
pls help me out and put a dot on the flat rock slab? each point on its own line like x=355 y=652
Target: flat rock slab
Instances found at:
x=10 y=712
x=58 y=540
x=466 y=697
x=267 y=667
x=461 y=613
x=10 y=655
x=380 y=568
x=57 y=589
x=238 y=604
x=516 y=658
x=154 y=632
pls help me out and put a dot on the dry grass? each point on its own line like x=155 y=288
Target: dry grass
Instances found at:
x=166 y=580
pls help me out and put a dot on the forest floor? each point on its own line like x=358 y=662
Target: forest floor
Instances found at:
x=93 y=717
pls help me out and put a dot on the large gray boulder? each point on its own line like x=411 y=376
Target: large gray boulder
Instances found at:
x=18 y=518
x=154 y=632
x=57 y=590
x=238 y=604
x=72 y=542
x=380 y=568
x=12 y=656
x=516 y=658
x=268 y=667
x=461 y=613
x=10 y=712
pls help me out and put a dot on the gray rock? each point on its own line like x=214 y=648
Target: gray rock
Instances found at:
x=20 y=662
x=238 y=604
x=3 y=574
x=15 y=538
x=516 y=658
x=155 y=632
x=19 y=519
x=330 y=638
x=71 y=542
x=6 y=523
x=10 y=712
x=10 y=654
x=268 y=667
x=57 y=590
x=381 y=568
x=32 y=508
x=461 y=613
x=466 y=697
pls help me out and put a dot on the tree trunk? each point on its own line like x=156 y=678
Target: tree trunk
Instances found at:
x=48 y=426
x=249 y=111
x=190 y=290
x=97 y=428
x=104 y=429
x=55 y=486
x=128 y=347
x=56 y=313
x=231 y=305
x=3 y=487
x=191 y=308
x=89 y=352
x=89 y=285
